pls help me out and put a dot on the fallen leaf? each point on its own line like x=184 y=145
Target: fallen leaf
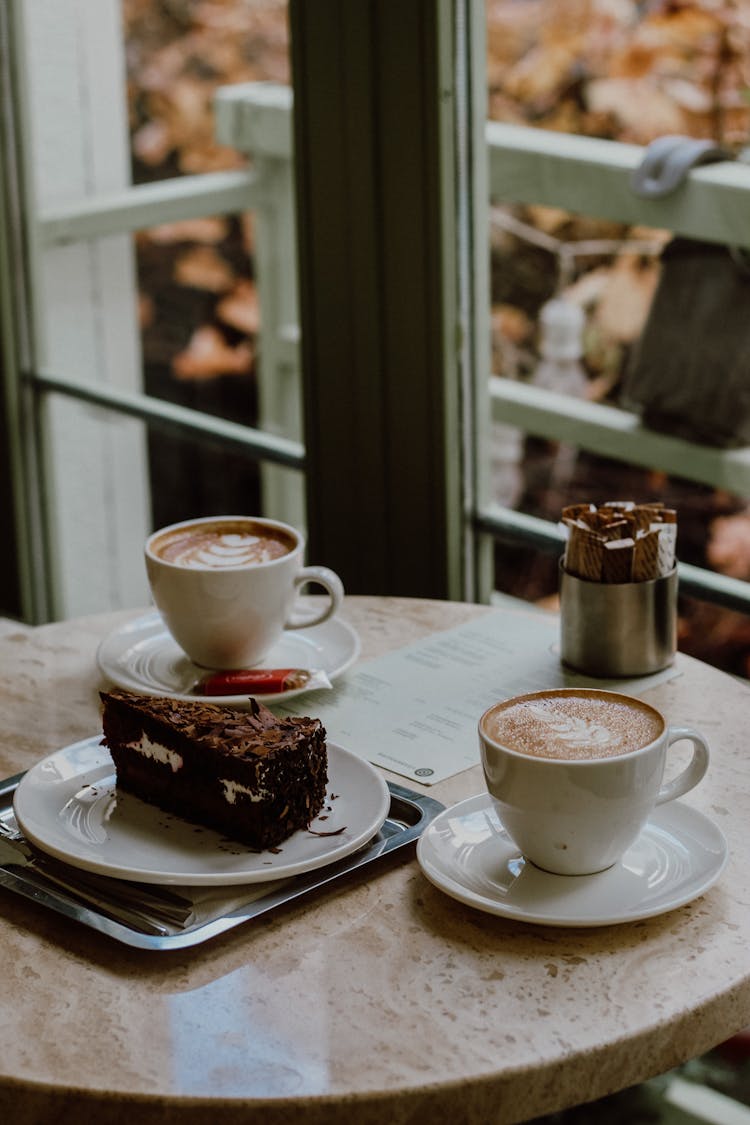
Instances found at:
x=208 y=356
x=240 y=308
x=625 y=298
x=201 y=267
x=146 y=310
x=728 y=549
x=512 y=323
x=642 y=109
x=153 y=142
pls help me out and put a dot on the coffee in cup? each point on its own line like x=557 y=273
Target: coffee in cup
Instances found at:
x=226 y=586
x=573 y=725
x=575 y=773
x=222 y=543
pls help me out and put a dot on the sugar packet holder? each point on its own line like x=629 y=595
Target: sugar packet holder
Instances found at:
x=618 y=589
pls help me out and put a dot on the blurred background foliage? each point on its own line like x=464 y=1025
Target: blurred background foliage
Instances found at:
x=618 y=69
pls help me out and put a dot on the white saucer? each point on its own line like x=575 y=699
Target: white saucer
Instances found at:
x=68 y=805
x=142 y=657
x=466 y=852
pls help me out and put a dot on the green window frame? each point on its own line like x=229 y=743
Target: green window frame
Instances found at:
x=383 y=153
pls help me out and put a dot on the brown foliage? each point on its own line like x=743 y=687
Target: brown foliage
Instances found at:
x=178 y=52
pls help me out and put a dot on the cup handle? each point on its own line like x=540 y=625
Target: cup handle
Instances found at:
x=331 y=582
x=694 y=770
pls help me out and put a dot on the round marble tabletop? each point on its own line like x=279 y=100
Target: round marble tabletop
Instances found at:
x=385 y=1001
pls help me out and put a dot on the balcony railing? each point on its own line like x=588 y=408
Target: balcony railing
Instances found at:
x=579 y=174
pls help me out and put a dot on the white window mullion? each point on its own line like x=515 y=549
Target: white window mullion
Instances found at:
x=84 y=301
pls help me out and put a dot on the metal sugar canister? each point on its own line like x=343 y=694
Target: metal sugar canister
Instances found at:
x=618 y=629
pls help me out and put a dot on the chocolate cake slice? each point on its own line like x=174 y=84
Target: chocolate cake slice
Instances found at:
x=247 y=774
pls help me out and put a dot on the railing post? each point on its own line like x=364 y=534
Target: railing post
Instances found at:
x=255 y=118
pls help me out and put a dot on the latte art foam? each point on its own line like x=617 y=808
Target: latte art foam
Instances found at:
x=223 y=545
x=573 y=725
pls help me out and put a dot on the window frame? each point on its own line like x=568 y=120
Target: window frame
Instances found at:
x=394 y=348
x=376 y=127
x=415 y=455
x=77 y=549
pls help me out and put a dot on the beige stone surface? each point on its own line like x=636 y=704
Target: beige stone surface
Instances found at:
x=382 y=1001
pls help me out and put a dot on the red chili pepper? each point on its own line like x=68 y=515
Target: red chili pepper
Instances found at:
x=265 y=681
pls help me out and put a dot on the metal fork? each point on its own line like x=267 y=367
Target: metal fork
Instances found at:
x=133 y=903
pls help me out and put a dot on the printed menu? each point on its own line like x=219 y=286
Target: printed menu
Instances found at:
x=414 y=711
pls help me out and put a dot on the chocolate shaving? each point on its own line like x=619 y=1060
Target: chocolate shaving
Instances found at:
x=335 y=832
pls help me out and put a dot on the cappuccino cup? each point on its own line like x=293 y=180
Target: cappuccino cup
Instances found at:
x=226 y=586
x=575 y=773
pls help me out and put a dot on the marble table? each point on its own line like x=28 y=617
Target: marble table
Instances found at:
x=384 y=1002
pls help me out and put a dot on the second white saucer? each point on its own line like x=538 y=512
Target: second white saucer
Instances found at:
x=142 y=657
x=466 y=852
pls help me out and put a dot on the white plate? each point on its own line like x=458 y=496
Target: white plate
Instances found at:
x=466 y=852
x=68 y=806
x=142 y=657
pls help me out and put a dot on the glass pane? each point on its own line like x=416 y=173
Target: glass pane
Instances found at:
x=199 y=322
x=629 y=71
x=572 y=294
x=177 y=55
x=174 y=310
x=198 y=298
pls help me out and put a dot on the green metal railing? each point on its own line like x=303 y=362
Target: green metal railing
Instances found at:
x=525 y=166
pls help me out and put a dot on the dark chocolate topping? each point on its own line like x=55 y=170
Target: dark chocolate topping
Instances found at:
x=227 y=729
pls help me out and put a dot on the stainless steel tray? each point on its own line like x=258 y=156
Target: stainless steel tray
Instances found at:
x=72 y=893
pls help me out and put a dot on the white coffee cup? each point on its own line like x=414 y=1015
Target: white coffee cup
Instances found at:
x=575 y=773
x=226 y=586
